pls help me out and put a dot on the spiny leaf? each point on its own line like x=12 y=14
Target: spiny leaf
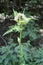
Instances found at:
x=12 y=28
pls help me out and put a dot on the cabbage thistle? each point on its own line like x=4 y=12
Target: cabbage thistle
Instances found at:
x=21 y=20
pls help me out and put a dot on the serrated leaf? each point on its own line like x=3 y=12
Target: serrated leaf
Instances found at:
x=12 y=28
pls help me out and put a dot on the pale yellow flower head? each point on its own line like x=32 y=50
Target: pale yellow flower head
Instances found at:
x=20 y=15
x=22 y=19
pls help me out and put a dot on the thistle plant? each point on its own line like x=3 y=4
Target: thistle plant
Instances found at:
x=21 y=20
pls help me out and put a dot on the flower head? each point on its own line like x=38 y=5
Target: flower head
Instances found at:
x=20 y=18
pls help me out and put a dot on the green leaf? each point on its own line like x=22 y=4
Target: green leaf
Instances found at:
x=12 y=29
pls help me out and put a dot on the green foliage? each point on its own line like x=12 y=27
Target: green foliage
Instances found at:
x=31 y=55
x=31 y=30
x=7 y=54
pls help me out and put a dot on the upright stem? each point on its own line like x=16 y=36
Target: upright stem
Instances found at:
x=20 y=45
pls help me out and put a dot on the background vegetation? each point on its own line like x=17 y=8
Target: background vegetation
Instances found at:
x=31 y=38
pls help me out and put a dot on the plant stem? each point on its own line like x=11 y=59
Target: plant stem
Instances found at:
x=20 y=45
